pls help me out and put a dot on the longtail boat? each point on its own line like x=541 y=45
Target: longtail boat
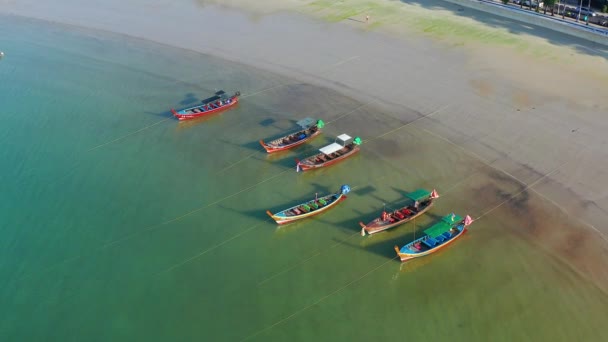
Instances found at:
x=309 y=129
x=310 y=208
x=337 y=151
x=217 y=103
x=440 y=235
x=422 y=201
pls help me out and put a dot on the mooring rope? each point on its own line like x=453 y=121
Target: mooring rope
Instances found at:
x=330 y=247
x=162 y=224
x=128 y=135
x=198 y=255
x=287 y=318
x=319 y=252
x=476 y=156
x=290 y=316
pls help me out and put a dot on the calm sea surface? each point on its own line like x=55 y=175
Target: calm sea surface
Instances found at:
x=118 y=223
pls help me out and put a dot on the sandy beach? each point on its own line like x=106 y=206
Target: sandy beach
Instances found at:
x=528 y=103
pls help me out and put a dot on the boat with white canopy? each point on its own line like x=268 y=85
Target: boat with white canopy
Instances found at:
x=344 y=147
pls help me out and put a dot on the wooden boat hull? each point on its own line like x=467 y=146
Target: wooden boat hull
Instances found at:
x=409 y=256
x=378 y=225
x=288 y=219
x=234 y=100
x=272 y=149
x=305 y=166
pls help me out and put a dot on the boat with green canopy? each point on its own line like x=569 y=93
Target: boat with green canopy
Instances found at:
x=309 y=128
x=436 y=237
x=421 y=201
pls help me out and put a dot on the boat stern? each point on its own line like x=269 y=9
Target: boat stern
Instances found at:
x=266 y=147
x=403 y=256
x=363 y=228
x=276 y=219
x=300 y=167
x=281 y=219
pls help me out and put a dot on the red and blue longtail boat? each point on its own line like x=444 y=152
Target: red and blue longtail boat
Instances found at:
x=310 y=208
x=215 y=104
x=309 y=128
x=438 y=236
x=342 y=148
x=422 y=202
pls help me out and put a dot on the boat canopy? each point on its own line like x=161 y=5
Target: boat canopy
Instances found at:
x=448 y=219
x=331 y=148
x=437 y=229
x=419 y=194
x=305 y=123
x=443 y=226
x=344 y=137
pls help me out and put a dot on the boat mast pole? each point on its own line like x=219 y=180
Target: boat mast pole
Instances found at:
x=414 y=228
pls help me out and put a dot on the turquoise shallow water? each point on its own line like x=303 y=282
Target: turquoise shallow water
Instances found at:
x=120 y=223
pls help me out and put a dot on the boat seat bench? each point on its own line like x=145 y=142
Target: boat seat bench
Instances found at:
x=430 y=242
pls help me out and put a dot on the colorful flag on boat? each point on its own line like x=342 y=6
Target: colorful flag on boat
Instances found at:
x=434 y=194
x=468 y=220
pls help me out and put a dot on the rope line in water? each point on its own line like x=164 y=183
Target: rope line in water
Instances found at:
x=409 y=123
x=267 y=89
x=127 y=135
x=352 y=58
x=182 y=263
x=229 y=239
x=476 y=156
x=522 y=190
x=160 y=225
x=169 y=118
x=352 y=111
x=260 y=150
x=243 y=233
x=157 y=226
x=237 y=162
x=283 y=320
x=305 y=260
x=153 y=227
x=319 y=252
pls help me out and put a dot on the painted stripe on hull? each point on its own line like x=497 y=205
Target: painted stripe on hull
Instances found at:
x=271 y=149
x=407 y=256
x=369 y=230
x=305 y=167
x=284 y=220
x=182 y=117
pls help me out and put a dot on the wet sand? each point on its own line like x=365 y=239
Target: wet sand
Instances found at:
x=531 y=110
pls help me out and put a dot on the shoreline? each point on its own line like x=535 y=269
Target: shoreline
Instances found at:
x=481 y=88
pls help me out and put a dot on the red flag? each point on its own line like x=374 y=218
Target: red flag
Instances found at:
x=468 y=220
x=434 y=194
